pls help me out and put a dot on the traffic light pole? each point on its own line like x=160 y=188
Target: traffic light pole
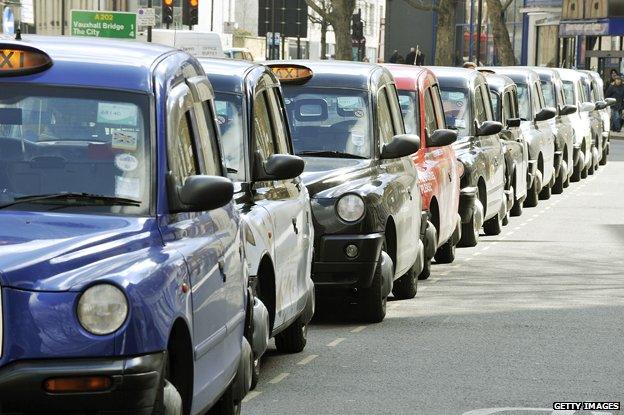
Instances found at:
x=149 y=28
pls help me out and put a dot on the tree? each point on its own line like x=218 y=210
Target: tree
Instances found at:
x=324 y=27
x=338 y=14
x=445 y=32
x=502 y=44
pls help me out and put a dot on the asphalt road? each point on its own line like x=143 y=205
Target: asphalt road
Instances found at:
x=529 y=317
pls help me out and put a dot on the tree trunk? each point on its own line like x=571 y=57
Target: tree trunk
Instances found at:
x=324 y=39
x=445 y=35
x=340 y=19
x=502 y=43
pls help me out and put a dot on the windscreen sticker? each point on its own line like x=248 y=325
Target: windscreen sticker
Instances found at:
x=357 y=140
x=125 y=140
x=126 y=162
x=118 y=114
x=358 y=113
x=127 y=187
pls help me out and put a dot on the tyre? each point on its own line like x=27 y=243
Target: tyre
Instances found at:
x=559 y=183
x=493 y=226
x=406 y=287
x=545 y=193
x=470 y=234
x=372 y=304
x=255 y=372
x=293 y=339
x=226 y=404
x=603 y=160
x=584 y=172
x=446 y=253
x=591 y=169
x=577 y=173
x=532 y=198
x=516 y=209
x=424 y=274
x=168 y=400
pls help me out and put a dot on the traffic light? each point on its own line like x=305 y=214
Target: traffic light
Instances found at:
x=190 y=13
x=167 y=11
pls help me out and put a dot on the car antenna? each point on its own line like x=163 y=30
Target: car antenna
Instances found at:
x=18 y=34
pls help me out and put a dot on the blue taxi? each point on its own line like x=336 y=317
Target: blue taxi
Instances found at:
x=122 y=283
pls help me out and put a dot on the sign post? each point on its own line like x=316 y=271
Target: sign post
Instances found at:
x=116 y=25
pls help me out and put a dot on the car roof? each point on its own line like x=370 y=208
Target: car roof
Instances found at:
x=545 y=73
x=569 y=74
x=498 y=82
x=408 y=76
x=455 y=77
x=521 y=74
x=93 y=62
x=344 y=74
x=228 y=75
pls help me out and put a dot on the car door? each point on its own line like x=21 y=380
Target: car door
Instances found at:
x=298 y=200
x=403 y=183
x=510 y=111
x=280 y=199
x=545 y=129
x=197 y=236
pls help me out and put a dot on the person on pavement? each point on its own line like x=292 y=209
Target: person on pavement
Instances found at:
x=410 y=58
x=616 y=91
x=395 y=57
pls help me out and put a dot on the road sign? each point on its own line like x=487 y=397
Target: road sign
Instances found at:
x=103 y=24
x=146 y=17
x=27 y=12
x=8 y=21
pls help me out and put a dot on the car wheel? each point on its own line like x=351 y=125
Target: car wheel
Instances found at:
x=293 y=339
x=532 y=198
x=576 y=174
x=516 y=209
x=559 y=183
x=255 y=372
x=584 y=172
x=493 y=226
x=168 y=401
x=226 y=404
x=372 y=303
x=603 y=160
x=426 y=271
x=591 y=169
x=545 y=193
x=446 y=253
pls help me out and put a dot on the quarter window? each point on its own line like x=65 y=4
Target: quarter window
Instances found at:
x=481 y=113
x=182 y=154
x=437 y=102
x=207 y=139
x=384 y=118
x=279 y=123
x=262 y=127
x=431 y=123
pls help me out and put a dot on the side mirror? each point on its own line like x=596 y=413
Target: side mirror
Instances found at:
x=545 y=114
x=279 y=167
x=567 y=110
x=600 y=105
x=610 y=101
x=441 y=138
x=400 y=146
x=489 y=128
x=587 y=106
x=513 y=122
x=201 y=193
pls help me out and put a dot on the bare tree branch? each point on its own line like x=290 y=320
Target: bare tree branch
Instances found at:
x=506 y=4
x=318 y=9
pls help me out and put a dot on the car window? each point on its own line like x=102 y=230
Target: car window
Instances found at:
x=207 y=139
x=182 y=155
x=496 y=105
x=480 y=110
x=581 y=90
x=431 y=122
x=437 y=103
x=508 y=106
x=457 y=110
x=397 y=117
x=548 y=88
x=408 y=100
x=568 y=90
x=524 y=105
x=263 y=137
x=384 y=118
x=231 y=122
x=536 y=98
x=280 y=125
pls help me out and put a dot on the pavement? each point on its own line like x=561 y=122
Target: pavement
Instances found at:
x=525 y=319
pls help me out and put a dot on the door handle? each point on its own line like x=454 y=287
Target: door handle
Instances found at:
x=221 y=263
x=294 y=223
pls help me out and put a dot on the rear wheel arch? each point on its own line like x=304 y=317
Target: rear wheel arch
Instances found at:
x=266 y=287
x=391 y=240
x=482 y=194
x=180 y=362
x=434 y=209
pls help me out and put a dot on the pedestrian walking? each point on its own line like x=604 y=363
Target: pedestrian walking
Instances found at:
x=616 y=91
x=395 y=57
x=410 y=58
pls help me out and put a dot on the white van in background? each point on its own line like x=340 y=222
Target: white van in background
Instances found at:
x=197 y=43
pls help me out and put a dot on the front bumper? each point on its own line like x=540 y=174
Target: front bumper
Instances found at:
x=333 y=268
x=135 y=382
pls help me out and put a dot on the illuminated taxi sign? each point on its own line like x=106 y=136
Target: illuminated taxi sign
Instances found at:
x=21 y=60
x=292 y=73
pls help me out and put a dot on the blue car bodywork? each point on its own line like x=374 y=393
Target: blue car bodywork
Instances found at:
x=180 y=271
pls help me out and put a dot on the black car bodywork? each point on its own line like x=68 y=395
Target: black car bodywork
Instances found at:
x=388 y=234
x=482 y=198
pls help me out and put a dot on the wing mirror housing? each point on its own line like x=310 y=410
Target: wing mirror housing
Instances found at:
x=567 y=110
x=279 y=167
x=600 y=105
x=489 y=128
x=545 y=114
x=588 y=106
x=513 y=122
x=441 y=138
x=202 y=193
x=610 y=102
x=401 y=146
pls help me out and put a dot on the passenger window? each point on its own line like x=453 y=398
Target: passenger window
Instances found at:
x=182 y=156
x=279 y=123
x=431 y=123
x=439 y=109
x=397 y=115
x=384 y=118
x=508 y=106
x=480 y=113
x=262 y=127
x=209 y=150
x=496 y=103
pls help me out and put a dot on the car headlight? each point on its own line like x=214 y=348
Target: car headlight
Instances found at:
x=350 y=208
x=102 y=309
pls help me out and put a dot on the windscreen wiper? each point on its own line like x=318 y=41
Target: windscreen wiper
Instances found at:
x=330 y=153
x=81 y=198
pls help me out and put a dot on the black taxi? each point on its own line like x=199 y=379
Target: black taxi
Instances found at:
x=346 y=123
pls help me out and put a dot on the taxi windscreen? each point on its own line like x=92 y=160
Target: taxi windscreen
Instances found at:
x=56 y=142
x=456 y=110
x=329 y=121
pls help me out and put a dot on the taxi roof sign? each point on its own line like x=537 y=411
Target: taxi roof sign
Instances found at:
x=16 y=60
x=291 y=74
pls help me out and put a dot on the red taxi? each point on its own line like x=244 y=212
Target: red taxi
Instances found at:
x=439 y=172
